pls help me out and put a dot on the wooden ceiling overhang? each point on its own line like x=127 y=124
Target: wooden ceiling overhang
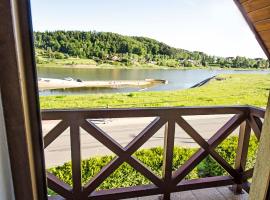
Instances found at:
x=257 y=15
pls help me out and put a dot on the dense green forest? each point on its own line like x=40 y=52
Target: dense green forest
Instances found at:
x=116 y=49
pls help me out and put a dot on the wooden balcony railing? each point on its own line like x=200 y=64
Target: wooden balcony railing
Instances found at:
x=172 y=181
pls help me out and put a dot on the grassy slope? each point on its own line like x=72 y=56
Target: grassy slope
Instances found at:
x=234 y=90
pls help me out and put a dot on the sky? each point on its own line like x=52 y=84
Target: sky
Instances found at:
x=215 y=27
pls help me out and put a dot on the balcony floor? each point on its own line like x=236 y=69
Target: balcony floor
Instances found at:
x=219 y=193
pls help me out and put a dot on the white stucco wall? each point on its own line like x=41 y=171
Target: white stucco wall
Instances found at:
x=6 y=186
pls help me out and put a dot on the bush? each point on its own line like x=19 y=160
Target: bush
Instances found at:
x=58 y=55
x=168 y=63
x=126 y=176
x=130 y=94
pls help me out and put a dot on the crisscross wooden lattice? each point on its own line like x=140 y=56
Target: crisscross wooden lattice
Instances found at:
x=246 y=117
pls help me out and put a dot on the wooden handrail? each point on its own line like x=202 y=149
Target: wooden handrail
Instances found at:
x=246 y=117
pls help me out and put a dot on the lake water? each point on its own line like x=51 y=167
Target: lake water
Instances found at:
x=177 y=79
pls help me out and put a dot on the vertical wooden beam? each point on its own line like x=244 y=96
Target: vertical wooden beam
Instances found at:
x=261 y=178
x=241 y=153
x=75 y=142
x=169 y=135
x=268 y=193
x=18 y=83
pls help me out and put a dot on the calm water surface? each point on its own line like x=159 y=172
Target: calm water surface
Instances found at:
x=178 y=79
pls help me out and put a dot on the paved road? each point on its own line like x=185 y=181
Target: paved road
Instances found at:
x=123 y=131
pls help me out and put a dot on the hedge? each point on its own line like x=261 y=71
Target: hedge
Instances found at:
x=126 y=176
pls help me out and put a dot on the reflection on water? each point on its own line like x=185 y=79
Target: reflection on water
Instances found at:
x=177 y=79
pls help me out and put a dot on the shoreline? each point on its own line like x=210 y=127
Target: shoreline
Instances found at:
x=107 y=66
x=53 y=84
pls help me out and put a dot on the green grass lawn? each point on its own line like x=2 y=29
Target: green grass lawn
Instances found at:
x=244 y=89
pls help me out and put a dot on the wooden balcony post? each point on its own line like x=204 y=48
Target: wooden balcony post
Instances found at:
x=168 y=157
x=241 y=153
x=18 y=82
x=75 y=142
x=260 y=183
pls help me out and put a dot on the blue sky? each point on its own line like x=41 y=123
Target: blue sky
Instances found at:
x=215 y=27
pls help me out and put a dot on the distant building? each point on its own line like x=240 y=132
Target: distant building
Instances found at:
x=153 y=62
x=115 y=58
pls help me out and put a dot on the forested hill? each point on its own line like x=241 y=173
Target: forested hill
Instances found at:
x=111 y=47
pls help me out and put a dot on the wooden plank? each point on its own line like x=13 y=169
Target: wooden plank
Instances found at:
x=123 y=153
x=242 y=151
x=248 y=174
x=265 y=35
x=252 y=28
x=124 y=193
x=75 y=142
x=55 y=197
x=189 y=165
x=153 y=197
x=102 y=137
x=268 y=45
x=102 y=175
x=182 y=123
x=254 y=5
x=242 y=1
x=20 y=101
x=192 y=132
x=125 y=156
x=259 y=123
x=261 y=177
x=208 y=182
x=142 y=112
x=226 y=130
x=256 y=127
x=167 y=168
x=145 y=135
x=242 y=148
x=268 y=194
x=214 y=141
x=225 y=165
x=58 y=186
x=140 y=167
x=259 y=15
x=246 y=186
x=258 y=112
x=146 y=190
x=229 y=195
x=186 y=195
x=263 y=25
x=55 y=132
x=208 y=194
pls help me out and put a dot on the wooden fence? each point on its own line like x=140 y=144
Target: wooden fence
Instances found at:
x=248 y=118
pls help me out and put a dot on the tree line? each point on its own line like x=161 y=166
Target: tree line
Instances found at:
x=106 y=47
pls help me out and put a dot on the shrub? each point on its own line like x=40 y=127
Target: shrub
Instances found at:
x=59 y=55
x=126 y=176
x=130 y=94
